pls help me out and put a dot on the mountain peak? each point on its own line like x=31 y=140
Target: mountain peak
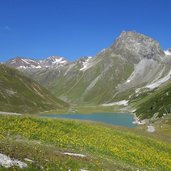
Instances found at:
x=22 y=62
x=139 y=44
x=56 y=59
x=130 y=33
x=26 y=63
x=132 y=37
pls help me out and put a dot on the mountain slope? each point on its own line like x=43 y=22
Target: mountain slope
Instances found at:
x=57 y=144
x=21 y=94
x=134 y=63
x=155 y=102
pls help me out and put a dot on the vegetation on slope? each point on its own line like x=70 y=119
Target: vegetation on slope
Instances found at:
x=21 y=94
x=95 y=85
x=157 y=101
x=105 y=147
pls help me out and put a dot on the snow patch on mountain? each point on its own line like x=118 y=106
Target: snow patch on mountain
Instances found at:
x=21 y=67
x=86 y=64
x=159 y=82
x=167 y=52
x=27 y=67
x=38 y=67
x=50 y=62
x=56 y=60
x=122 y=102
x=53 y=62
x=28 y=61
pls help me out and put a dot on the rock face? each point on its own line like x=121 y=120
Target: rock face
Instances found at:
x=139 y=44
x=133 y=63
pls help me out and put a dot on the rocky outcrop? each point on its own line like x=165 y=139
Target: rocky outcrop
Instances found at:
x=138 y=46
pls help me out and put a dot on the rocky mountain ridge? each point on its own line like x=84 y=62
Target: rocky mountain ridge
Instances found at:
x=134 y=63
x=26 y=63
x=142 y=45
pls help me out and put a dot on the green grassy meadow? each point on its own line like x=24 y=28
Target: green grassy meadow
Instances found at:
x=156 y=101
x=105 y=147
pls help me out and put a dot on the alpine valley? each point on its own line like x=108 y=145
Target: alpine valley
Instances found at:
x=128 y=74
x=129 y=82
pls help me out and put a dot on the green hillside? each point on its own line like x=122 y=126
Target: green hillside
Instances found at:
x=157 y=101
x=23 y=95
x=99 y=147
x=95 y=85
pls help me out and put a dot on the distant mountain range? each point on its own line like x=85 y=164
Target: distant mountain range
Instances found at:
x=133 y=65
x=24 y=63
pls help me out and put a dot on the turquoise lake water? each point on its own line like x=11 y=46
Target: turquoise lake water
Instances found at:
x=121 y=119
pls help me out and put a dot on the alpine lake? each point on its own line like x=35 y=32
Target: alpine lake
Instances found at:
x=118 y=119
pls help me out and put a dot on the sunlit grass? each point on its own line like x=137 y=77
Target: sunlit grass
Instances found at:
x=105 y=143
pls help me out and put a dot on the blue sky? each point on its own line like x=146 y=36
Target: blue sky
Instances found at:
x=75 y=28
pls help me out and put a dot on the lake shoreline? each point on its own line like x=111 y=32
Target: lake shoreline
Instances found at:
x=118 y=119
